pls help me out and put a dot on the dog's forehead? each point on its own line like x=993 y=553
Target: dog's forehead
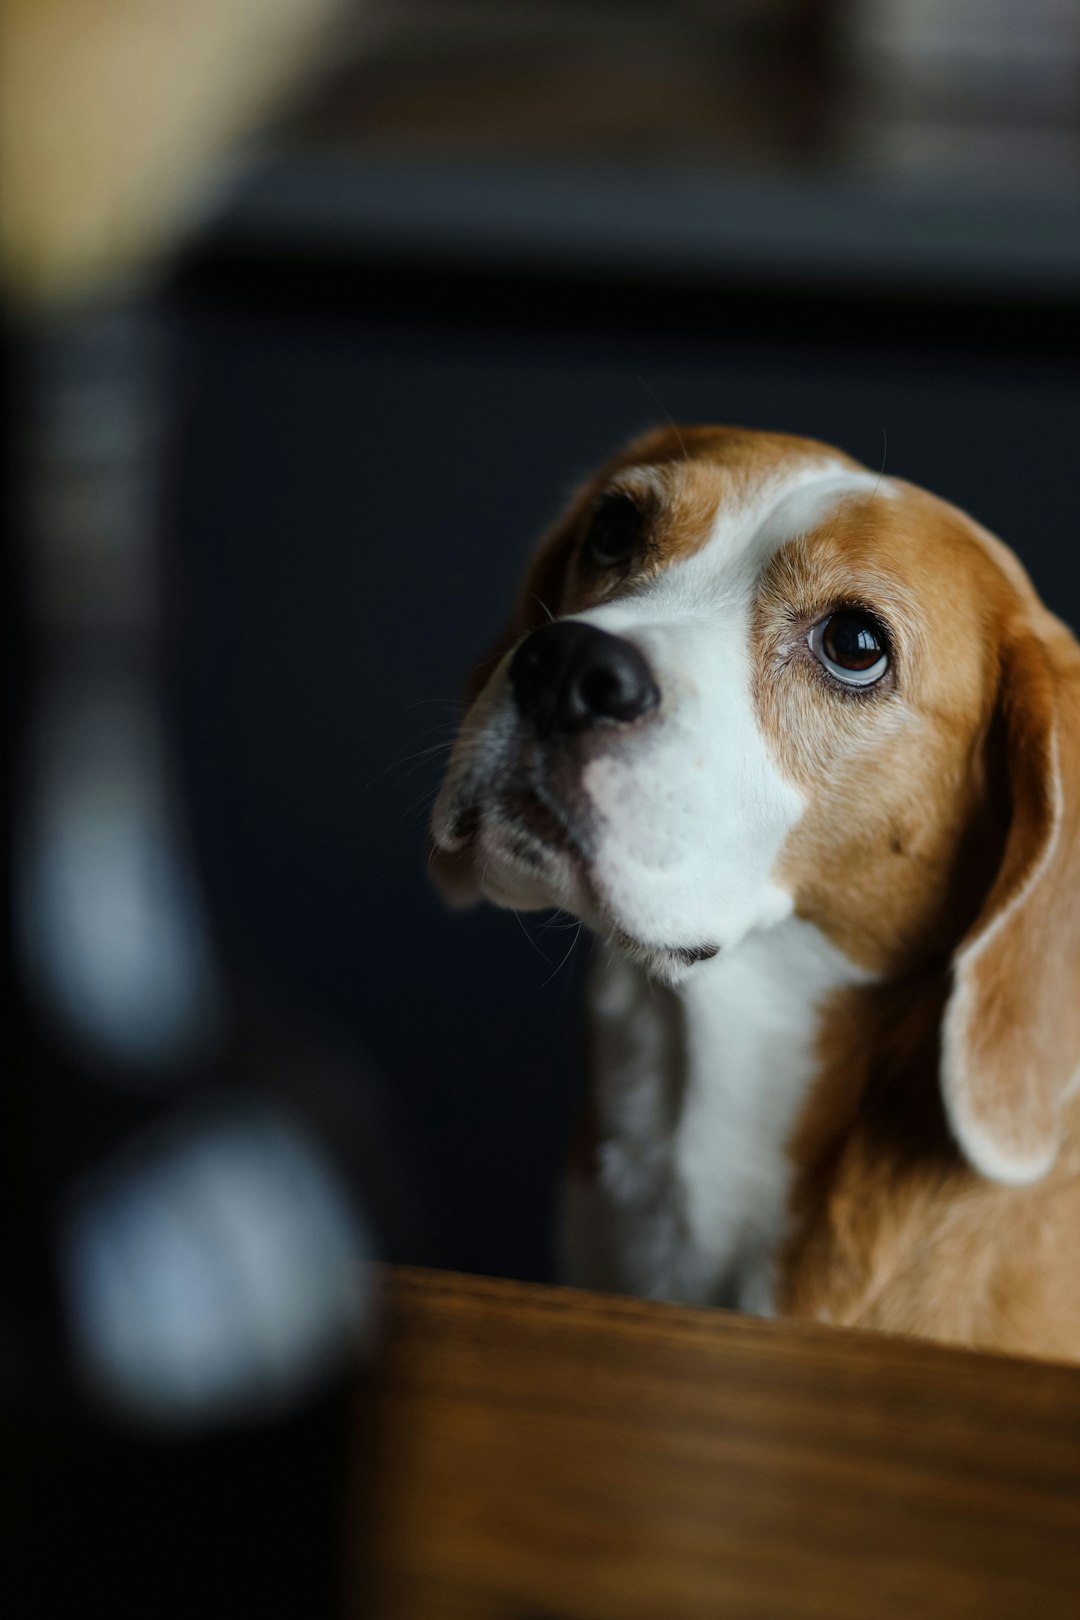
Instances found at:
x=741 y=496
x=733 y=512
x=730 y=499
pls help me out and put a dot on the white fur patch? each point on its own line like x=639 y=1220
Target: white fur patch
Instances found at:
x=694 y=811
x=697 y=1092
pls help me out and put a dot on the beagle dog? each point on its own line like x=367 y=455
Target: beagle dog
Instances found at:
x=801 y=744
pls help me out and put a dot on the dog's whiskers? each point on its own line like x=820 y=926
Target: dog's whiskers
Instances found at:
x=658 y=402
x=423 y=803
x=519 y=919
x=441 y=702
x=414 y=759
x=566 y=958
x=884 y=454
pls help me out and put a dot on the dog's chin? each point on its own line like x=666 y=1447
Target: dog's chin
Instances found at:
x=671 y=964
x=521 y=859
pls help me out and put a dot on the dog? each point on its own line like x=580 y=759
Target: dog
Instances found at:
x=801 y=744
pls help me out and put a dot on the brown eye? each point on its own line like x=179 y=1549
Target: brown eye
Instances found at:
x=615 y=532
x=852 y=646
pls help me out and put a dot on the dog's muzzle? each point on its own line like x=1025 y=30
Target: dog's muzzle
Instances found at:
x=512 y=819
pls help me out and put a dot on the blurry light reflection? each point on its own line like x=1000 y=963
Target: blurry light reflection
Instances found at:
x=111 y=923
x=217 y=1275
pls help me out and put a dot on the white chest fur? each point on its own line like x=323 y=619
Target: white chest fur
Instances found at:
x=697 y=1091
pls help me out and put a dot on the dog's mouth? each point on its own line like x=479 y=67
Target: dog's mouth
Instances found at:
x=522 y=821
x=681 y=956
x=548 y=824
x=549 y=835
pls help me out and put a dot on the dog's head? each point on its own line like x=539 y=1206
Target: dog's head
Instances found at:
x=749 y=678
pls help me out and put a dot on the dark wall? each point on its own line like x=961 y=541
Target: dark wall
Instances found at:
x=359 y=483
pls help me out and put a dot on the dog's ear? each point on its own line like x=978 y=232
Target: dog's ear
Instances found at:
x=1011 y=1033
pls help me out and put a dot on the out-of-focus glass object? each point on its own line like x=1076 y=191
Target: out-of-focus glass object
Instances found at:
x=114 y=930
x=215 y=1274
x=212 y=1267
x=108 y=910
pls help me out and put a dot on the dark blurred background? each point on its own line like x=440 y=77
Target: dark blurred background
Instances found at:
x=492 y=243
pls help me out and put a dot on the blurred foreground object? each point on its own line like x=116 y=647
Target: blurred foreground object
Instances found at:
x=198 y=1258
x=110 y=918
x=217 y=1276
x=209 y=1269
x=114 y=119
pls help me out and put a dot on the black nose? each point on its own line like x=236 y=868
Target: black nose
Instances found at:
x=568 y=676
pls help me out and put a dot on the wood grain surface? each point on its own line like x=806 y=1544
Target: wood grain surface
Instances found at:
x=526 y=1452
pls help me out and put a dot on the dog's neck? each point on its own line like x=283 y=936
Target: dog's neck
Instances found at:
x=698 y=1091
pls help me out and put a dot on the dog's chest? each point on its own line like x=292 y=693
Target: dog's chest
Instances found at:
x=698 y=1091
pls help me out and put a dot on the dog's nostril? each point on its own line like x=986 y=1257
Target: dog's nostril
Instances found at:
x=569 y=676
x=612 y=692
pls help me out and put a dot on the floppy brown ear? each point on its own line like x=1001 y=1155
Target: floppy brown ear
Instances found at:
x=1011 y=1034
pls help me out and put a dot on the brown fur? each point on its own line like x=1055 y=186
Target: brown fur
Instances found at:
x=892 y=1229
x=912 y=845
x=901 y=834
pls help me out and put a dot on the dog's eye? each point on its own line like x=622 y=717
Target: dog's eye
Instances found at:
x=852 y=646
x=614 y=533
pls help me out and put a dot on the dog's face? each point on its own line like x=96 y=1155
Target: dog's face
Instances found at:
x=750 y=678
x=763 y=661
